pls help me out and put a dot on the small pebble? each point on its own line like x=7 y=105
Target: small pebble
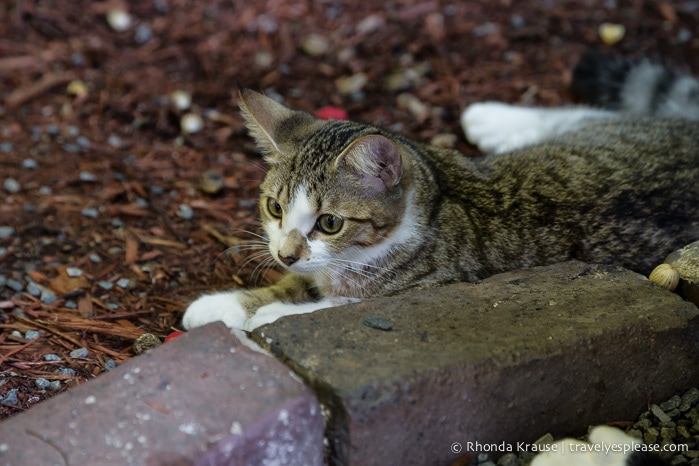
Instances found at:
x=264 y=59
x=72 y=148
x=14 y=285
x=47 y=297
x=6 y=146
x=315 y=45
x=508 y=459
x=90 y=212
x=185 y=212
x=71 y=304
x=689 y=399
x=6 y=232
x=79 y=353
x=370 y=24
x=77 y=88
x=10 y=398
x=55 y=385
x=11 y=185
x=485 y=29
x=191 y=123
x=105 y=285
x=143 y=34
x=181 y=100
x=29 y=164
x=116 y=142
x=32 y=334
x=347 y=85
x=95 y=258
x=119 y=20
x=33 y=289
x=87 y=177
x=42 y=383
x=671 y=404
x=125 y=283
x=74 y=272
x=45 y=191
x=115 y=250
x=413 y=105
x=52 y=357
x=611 y=33
x=52 y=130
x=83 y=142
x=446 y=140
x=109 y=365
x=660 y=414
x=378 y=323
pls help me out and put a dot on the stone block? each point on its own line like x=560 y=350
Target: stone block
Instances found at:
x=467 y=367
x=204 y=399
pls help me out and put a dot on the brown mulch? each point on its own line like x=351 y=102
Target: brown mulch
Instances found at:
x=108 y=211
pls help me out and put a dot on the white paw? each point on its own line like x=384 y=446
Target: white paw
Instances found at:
x=268 y=314
x=497 y=128
x=271 y=312
x=607 y=446
x=223 y=307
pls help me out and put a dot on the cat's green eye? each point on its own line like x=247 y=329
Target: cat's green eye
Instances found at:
x=329 y=224
x=274 y=208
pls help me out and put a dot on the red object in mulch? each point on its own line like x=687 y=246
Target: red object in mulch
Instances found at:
x=331 y=113
x=172 y=336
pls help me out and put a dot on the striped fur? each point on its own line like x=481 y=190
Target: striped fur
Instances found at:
x=636 y=87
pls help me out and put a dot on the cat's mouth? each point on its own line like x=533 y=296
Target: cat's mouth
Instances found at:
x=301 y=267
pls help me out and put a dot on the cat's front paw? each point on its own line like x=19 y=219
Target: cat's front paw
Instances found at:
x=498 y=128
x=268 y=314
x=271 y=312
x=224 y=307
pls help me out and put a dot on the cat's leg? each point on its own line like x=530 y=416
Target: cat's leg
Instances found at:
x=234 y=308
x=497 y=128
x=271 y=312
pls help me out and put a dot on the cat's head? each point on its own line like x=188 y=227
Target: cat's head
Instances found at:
x=334 y=196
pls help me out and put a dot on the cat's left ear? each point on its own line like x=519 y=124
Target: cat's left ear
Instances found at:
x=374 y=160
x=274 y=127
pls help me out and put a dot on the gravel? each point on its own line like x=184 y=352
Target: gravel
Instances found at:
x=672 y=422
x=79 y=353
x=42 y=383
x=32 y=334
x=10 y=398
x=6 y=232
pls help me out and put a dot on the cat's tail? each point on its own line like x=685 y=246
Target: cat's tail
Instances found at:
x=636 y=87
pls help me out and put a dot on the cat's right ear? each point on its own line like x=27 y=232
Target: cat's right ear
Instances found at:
x=273 y=126
x=374 y=161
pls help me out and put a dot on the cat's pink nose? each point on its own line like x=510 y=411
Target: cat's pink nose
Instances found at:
x=288 y=260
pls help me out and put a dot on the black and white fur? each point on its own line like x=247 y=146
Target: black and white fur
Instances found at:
x=611 y=86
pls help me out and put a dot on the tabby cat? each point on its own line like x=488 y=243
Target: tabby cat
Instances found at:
x=352 y=211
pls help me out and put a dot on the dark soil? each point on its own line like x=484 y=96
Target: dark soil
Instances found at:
x=97 y=175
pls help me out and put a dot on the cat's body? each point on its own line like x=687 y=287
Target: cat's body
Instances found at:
x=355 y=212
